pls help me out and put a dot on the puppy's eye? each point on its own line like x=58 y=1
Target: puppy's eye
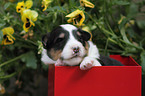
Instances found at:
x=59 y=40
x=80 y=38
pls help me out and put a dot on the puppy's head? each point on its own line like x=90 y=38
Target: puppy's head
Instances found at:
x=66 y=42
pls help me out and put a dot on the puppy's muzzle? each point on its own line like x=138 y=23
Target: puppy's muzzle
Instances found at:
x=76 y=50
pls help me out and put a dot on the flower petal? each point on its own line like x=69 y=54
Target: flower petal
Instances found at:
x=45 y=4
x=77 y=17
x=34 y=15
x=82 y=19
x=8 y=31
x=87 y=3
x=2 y=89
x=74 y=14
x=28 y=4
x=28 y=17
x=121 y=19
x=26 y=14
x=20 y=5
x=26 y=26
x=70 y=20
x=7 y=40
x=31 y=14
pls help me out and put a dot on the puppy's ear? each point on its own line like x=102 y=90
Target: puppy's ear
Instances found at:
x=45 y=40
x=84 y=34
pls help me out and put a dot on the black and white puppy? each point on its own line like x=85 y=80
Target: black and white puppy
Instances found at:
x=69 y=45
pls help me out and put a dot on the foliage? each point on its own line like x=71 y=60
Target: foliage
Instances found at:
x=118 y=24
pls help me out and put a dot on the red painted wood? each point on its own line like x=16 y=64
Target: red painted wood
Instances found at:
x=51 y=73
x=98 y=81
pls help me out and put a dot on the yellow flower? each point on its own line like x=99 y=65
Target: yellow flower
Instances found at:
x=2 y=89
x=128 y=24
x=7 y=36
x=21 y=5
x=77 y=17
x=45 y=4
x=29 y=17
x=87 y=3
x=28 y=4
x=121 y=19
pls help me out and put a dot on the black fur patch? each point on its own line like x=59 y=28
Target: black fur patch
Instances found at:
x=54 y=40
x=81 y=36
x=107 y=61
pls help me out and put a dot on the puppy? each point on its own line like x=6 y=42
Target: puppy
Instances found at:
x=69 y=45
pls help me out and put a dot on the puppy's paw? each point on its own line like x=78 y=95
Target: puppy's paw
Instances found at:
x=88 y=63
x=59 y=63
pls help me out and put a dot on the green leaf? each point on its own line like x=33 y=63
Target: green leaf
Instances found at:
x=0 y=57
x=30 y=60
x=124 y=35
x=7 y=5
x=133 y=10
x=2 y=25
x=72 y=3
x=122 y=24
x=141 y=24
x=121 y=3
x=1 y=36
x=1 y=75
x=44 y=66
x=1 y=72
x=142 y=42
x=143 y=60
x=54 y=17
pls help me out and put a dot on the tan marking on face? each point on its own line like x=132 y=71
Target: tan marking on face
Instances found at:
x=55 y=54
x=87 y=47
x=79 y=33
x=61 y=35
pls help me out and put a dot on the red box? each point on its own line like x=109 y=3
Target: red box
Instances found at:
x=98 y=81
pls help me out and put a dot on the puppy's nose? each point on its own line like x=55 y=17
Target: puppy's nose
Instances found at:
x=76 y=49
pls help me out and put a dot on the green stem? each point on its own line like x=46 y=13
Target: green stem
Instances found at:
x=12 y=60
x=105 y=51
x=130 y=44
x=102 y=28
x=122 y=30
x=112 y=51
x=8 y=76
x=29 y=41
x=109 y=26
x=32 y=42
